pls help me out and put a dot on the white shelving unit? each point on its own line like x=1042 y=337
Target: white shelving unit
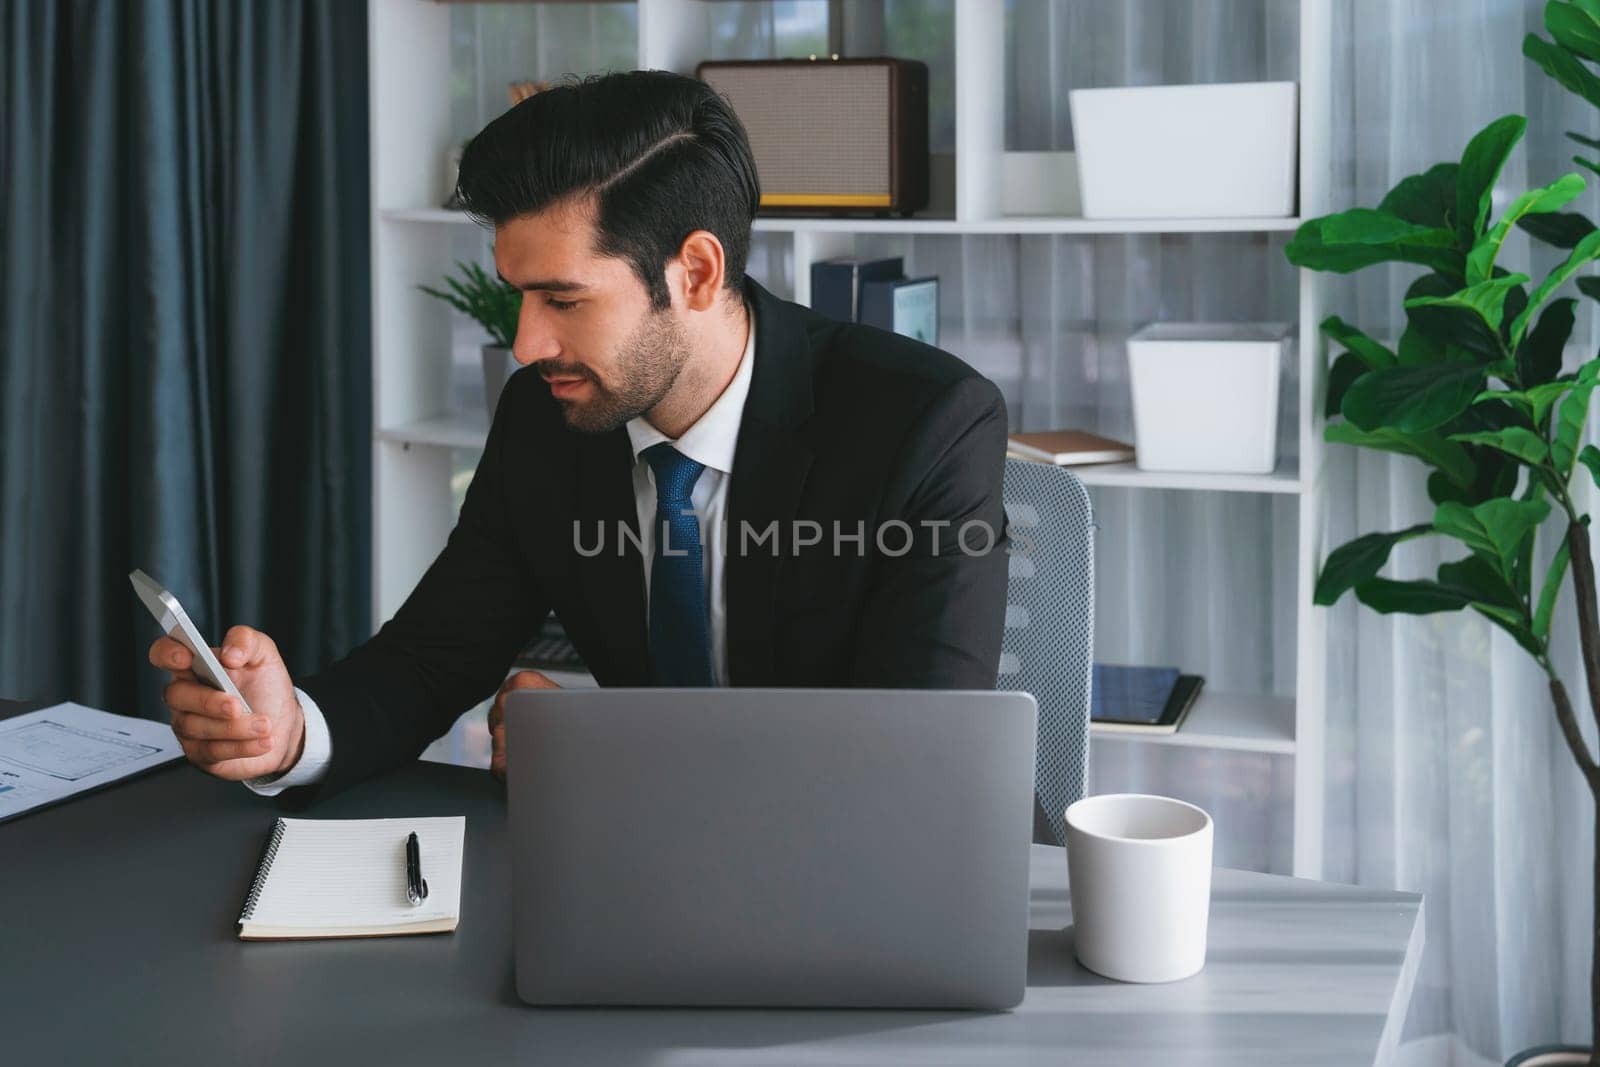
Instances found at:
x=416 y=432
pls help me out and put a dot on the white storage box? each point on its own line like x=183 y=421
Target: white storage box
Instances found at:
x=1186 y=151
x=1039 y=183
x=1205 y=396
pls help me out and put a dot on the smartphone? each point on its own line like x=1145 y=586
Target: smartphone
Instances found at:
x=176 y=625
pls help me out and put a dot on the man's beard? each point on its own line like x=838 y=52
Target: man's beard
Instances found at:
x=650 y=358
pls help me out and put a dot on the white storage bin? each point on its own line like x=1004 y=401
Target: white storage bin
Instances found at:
x=1186 y=151
x=1205 y=396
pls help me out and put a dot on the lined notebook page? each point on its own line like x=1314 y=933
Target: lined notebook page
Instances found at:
x=352 y=872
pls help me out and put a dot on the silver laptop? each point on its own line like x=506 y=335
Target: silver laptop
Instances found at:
x=771 y=847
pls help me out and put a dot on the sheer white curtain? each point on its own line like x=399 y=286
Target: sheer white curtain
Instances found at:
x=1445 y=772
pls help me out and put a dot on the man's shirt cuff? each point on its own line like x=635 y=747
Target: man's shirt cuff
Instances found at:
x=313 y=764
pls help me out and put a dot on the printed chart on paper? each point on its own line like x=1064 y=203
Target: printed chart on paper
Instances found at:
x=47 y=756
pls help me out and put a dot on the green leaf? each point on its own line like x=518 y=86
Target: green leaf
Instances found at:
x=1449 y=327
x=1411 y=598
x=1589 y=286
x=1559 y=193
x=1589 y=456
x=1481 y=163
x=1449 y=457
x=1362 y=237
x=1427 y=199
x=1587 y=164
x=1482 y=581
x=1553 y=577
x=1543 y=398
x=1417 y=347
x=1515 y=441
x=1515 y=399
x=1345 y=370
x=1486 y=299
x=1355 y=562
x=1574 y=29
x=1369 y=226
x=1570 y=417
x=1370 y=352
x=1562 y=230
x=1539 y=355
x=1493 y=529
x=1563 y=66
x=1492 y=597
x=1495 y=475
x=1516 y=303
x=1587 y=142
x=1412 y=399
x=1533 y=490
x=1586 y=251
x=1513 y=623
x=1506 y=400
x=1487 y=416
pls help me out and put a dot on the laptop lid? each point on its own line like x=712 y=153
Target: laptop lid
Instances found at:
x=840 y=848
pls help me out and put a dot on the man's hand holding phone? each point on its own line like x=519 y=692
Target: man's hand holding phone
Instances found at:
x=217 y=733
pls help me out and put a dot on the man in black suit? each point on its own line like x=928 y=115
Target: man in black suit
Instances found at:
x=707 y=484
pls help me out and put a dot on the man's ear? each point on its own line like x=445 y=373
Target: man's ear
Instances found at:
x=701 y=270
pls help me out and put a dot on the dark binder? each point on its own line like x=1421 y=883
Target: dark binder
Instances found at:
x=836 y=283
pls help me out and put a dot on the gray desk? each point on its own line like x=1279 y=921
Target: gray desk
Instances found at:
x=117 y=945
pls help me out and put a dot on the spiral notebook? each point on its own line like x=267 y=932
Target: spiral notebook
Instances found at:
x=347 y=878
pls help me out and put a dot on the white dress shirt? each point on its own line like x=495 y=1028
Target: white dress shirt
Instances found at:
x=711 y=442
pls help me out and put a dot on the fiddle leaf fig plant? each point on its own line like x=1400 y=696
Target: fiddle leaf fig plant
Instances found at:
x=1475 y=390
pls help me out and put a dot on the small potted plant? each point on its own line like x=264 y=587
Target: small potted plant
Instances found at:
x=494 y=305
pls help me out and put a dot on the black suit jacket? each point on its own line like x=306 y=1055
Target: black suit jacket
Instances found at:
x=844 y=424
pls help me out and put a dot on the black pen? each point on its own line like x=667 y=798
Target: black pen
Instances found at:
x=416 y=885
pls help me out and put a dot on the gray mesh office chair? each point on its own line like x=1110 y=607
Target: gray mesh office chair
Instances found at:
x=1048 y=647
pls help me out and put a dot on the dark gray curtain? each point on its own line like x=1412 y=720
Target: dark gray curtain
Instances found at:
x=184 y=333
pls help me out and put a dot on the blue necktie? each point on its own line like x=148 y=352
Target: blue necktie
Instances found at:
x=680 y=641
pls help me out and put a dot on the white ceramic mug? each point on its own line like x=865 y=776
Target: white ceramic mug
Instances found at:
x=1140 y=871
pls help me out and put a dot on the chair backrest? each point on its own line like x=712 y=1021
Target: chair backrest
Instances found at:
x=1048 y=646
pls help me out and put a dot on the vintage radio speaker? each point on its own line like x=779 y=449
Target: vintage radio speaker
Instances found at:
x=832 y=136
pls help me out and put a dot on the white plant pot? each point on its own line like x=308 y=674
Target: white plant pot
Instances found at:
x=498 y=365
x=1186 y=151
x=1205 y=396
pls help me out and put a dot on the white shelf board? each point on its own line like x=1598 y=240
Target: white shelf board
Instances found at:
x=1286 y=479
x=1245 y=723
x=1023 y=224
x=462 y=429
x=1002 y=224
x=425 y=214
x=459 y=429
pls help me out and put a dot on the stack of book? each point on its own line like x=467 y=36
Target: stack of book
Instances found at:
x=1067 y=448
x=877 y=292
x=1152 y=700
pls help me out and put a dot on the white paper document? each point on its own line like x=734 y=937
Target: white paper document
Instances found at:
x=51 y=754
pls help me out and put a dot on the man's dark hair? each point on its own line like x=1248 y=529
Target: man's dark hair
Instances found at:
x=663 y=154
